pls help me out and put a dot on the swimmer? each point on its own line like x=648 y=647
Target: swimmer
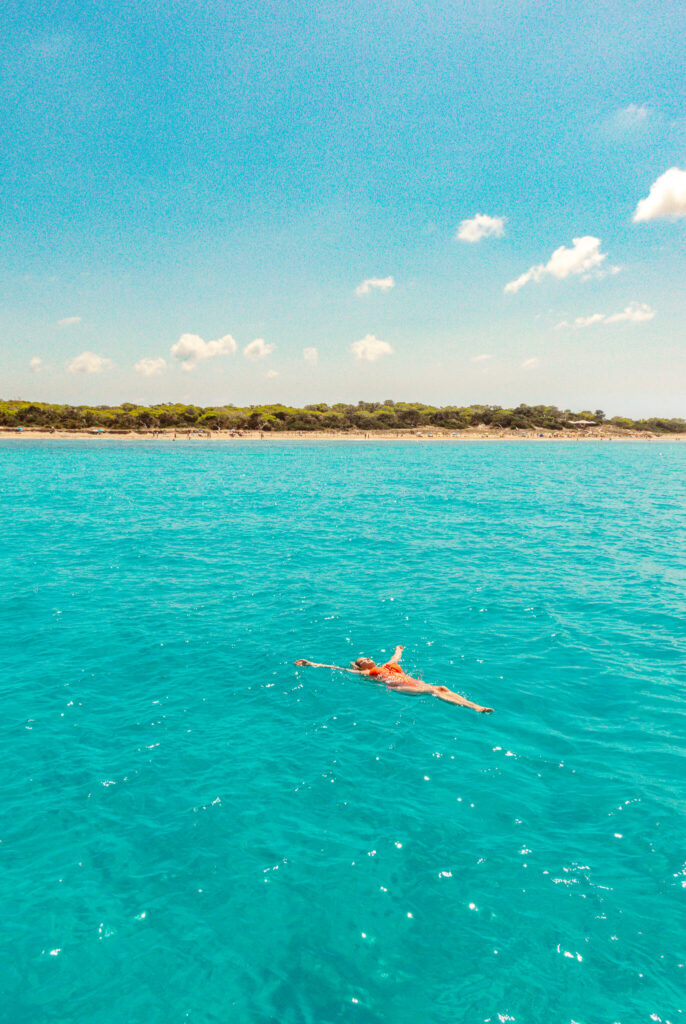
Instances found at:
x=396 y=679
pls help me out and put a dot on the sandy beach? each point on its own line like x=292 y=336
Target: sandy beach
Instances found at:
x=605 y=432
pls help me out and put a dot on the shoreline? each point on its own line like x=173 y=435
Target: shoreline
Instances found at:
x=415 y=436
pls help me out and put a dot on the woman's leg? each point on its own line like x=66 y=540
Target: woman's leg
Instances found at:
x=443 y=693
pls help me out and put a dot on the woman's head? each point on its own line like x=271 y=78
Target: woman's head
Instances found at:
x=363 y=664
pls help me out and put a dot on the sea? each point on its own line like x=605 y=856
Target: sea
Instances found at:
x=195 y=829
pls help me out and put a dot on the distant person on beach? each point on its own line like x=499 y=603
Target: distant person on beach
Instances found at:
x=395 y=679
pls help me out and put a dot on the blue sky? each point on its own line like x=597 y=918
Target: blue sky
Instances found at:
x=231 y=173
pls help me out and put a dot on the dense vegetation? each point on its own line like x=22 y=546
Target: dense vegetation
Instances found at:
x=366 y=416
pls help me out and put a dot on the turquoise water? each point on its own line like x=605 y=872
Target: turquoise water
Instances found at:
x=195 y=830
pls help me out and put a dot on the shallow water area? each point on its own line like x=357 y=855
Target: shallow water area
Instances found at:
x=196 y=830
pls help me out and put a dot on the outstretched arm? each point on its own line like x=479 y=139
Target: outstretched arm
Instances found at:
x=314 y=664
x=397 y=655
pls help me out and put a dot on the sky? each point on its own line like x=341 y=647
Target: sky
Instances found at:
x=444 y=202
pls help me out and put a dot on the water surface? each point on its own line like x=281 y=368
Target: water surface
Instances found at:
x=195 y=830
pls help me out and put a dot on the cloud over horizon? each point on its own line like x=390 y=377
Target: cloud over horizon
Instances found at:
x=370 y=348
x=151 y=367
x=36 y=364
x=481 y=226
x=89 y=362
x=258 y=349
x=634 y=313
x=379 y=284
x=190 y=349
x=666 y=199
x=69 y=321
x=583 y=259
x=311 y=356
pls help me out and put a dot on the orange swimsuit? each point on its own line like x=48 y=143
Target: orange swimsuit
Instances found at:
x=392 y=675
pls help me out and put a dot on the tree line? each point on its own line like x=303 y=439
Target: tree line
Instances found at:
x=366 y=416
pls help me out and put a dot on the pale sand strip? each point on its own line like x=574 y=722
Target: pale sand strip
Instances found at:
x=604 y=433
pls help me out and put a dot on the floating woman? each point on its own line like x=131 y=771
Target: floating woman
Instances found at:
x=396 y=679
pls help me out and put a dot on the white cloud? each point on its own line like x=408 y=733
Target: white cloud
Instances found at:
x=380 y=284
x=370 y=348
x=69 y=321
x=190 y=349
x=271 y=374
x=635 y=312
x=36 y=364
x=89 y=362
x=629 y=118
x=584 y=258
x=481 y=226
x=311 y=356
x=150 y=367
x=630 y=124
x=530 y=364
x=482 y=358
x=257 y=349
x=667 y=197
x=581 y=321
x=588 y=321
